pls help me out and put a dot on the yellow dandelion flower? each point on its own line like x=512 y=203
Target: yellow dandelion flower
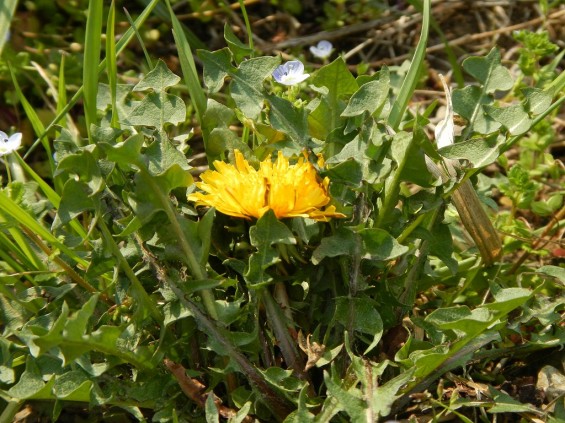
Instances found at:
x=240 y=190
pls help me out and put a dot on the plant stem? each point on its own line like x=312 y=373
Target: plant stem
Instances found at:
x=195 y=268
x=286 y=343
x=247 y=25
x=390 y=195
x=10 y=411
x=410 y=228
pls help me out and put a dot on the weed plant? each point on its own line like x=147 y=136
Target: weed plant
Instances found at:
x=336 y=262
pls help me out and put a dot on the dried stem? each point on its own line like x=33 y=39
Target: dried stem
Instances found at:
x=194 y=390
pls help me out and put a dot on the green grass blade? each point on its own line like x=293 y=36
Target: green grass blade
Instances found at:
x=21 y=248
x=557 y=85
x=61 y=92
x=188 y=67
x=33 y=118
x=111 y=65
x=139 y=38
x=120 y=46
x=92 y=45
x=451 y=56
x=13 y=210
x=247 y=25
x=36 y=123
x=7 y=8
x=409 y=83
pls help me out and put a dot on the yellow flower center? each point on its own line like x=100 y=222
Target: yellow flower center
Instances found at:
x=243 y=191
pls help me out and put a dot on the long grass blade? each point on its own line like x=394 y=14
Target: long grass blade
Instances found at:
x=111 y=65
x=247 y=25
x=139 y=38
x=188 y=67
x=61 y=92
x=11 y=209
x=7 y=8
x=451 y=56
x=409 y=83
x=21 y=247
x=33 y=118
x=92 y=45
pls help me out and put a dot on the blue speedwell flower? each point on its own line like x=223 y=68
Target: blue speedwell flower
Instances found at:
x=322 y=50
x=9 y=144
x=290 y=73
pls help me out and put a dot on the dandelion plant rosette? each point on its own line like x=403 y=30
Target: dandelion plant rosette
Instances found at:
x=240 y=190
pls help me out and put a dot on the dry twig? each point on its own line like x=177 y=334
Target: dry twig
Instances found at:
x=194 y=390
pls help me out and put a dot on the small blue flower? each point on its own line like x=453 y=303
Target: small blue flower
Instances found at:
x=290 y=73
x=322 y=50
x=9 y=144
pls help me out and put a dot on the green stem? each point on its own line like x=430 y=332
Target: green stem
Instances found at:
x=247 y=25
x=279 y=327
x=390 y=195
x=10 y=411
x=463 y=266
x=410 y=228
x=138 y=290
x=195 y=268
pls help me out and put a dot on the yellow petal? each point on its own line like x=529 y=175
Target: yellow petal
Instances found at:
x=242 y=191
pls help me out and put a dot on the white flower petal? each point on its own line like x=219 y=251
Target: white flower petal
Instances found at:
x=11 y=144
x=15 y=141
x=290 y=73
x=445 y=128
x=322 y=50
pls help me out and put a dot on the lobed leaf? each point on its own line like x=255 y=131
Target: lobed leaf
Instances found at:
x=514 y=118
x=158 y=79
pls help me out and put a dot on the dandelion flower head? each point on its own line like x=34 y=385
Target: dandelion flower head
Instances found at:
x=290 y=73
x=240 y=190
